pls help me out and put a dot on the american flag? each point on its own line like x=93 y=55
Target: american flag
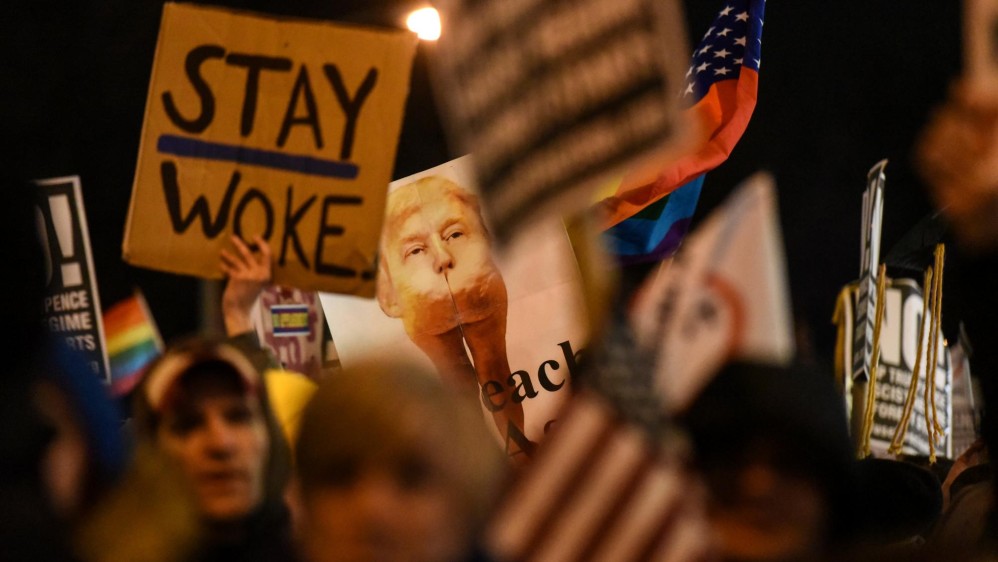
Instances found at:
x=733 y=42
x=645 y=220
x=609 y=483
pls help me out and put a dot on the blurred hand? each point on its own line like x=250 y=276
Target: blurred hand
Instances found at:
x=958 y=157
x=248 y=272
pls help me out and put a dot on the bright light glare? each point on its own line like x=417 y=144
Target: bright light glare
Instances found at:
x=425 y=22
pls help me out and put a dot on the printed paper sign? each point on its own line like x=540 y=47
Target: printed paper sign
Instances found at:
x=723 y=297
x=72 y=305
x=283 y=128
x=291 y=324
x=966 y=417
x=509 y=331
x=898 y=351
x=873 y=212
x=554 y=98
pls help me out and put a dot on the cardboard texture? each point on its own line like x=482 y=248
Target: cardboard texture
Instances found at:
x=280 y=127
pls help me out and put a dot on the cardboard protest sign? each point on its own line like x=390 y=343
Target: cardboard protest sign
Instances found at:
x=966 y=417
x=724 y=296
x=290 y=323
x=72 y=308
x=283 y=128
x=554 y=98
x=903 y=309
x=508 y=330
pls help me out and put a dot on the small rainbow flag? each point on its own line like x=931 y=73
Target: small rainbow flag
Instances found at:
x=133 y=341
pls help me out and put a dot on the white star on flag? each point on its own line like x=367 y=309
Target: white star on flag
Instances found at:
x=740 y=41
x=722 y=53
x=739 y=61
x=705 y=49
x=703 y=67
x=727 y=10
x=722 y=71
x=742 y=16
x=689 y=90
x=724 y=32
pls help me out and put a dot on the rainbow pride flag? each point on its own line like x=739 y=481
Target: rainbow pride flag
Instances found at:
x=645 y=221
x=133 y=341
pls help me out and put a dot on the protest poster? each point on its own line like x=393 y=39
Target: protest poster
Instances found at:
x=284 y=128
x=873 y=212
x=290 y=323
x=72 y=308
x=966 y=417
x=555 y=98
x=723 y=296
x=441 y=287
x=899 y=347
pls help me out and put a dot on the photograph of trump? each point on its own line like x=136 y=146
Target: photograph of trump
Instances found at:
x=437 y=274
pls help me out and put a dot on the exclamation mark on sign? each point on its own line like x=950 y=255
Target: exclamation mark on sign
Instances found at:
x=43 y=237
x=62 y=220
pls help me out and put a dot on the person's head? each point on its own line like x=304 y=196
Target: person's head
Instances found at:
x=774 y=447
x=86 y=454
x=393 y=465
x=205 y=406
x=436 y=268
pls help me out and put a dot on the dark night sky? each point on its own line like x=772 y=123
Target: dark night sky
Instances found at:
x=842 y=86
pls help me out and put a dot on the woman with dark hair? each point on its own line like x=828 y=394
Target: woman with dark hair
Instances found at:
x=204 y=406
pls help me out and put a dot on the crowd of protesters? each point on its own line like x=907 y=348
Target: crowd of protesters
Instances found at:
x=390 y=464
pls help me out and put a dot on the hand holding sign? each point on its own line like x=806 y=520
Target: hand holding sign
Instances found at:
x=248 y=272
x=958 y=157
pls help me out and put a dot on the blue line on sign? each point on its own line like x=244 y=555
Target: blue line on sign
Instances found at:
x=182 y=146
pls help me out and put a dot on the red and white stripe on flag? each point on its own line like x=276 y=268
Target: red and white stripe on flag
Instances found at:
x=601 y=490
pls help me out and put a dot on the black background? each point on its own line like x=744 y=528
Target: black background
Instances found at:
x=842 y=85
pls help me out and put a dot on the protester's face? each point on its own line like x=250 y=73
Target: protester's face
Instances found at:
x=440 y=262
x=218 y=435
x=64 y=465
x=401 y=505
x=764 y=513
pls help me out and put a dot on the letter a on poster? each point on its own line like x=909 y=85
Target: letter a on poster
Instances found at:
x=284 y=128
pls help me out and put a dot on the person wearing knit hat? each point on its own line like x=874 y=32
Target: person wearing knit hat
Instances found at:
x=206 y=406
